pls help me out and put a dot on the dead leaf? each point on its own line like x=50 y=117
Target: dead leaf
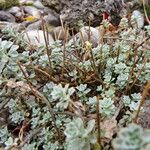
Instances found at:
x=110 y=128
x=30 y=18
x=20 y=84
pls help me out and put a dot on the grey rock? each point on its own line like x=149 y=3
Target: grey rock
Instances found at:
x=32 y=11
x=35 y=26
x=84 y=33
x=6 y=16
x=14 y=10
x=51 y=16
x=38 y=5
x=26 y=23
x=36 y=37
x=138 y=18
x=73 y=11
x=59 y=33
x=52 y=20
x=18 y=15
x=15 y=26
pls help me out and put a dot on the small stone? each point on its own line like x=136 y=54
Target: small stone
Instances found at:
x=14 y=10
x=6 y=16
x=52 y=19
x=137 y=18
x=38 y=5
x=59 y=33
x=18 y=15
x=35 y=25
x=90 y=34
x=32 y=11
x=36 y=37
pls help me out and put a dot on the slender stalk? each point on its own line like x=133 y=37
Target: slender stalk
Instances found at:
x=144 y=94
x=145 y=12
x=44 y=73
x=138 y=74
x=95 y=68
x=64 y=49
x=46 y=39
x=98 y=123
x=135 y=62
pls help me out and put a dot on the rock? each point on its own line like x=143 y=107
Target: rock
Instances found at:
x=144 y=119
x=32 y=11
x=52 y=19
x=35 y=25
x=83 y=35
x=74 y=11
x=59 y=33
x=15 y=26
x=36 y=37
x=6 y=16
x=56 y=4
x=25 y=24
x=138 y=18
x=3 y=24
x=38 y=5
x=19 y=15
x=14 y=10
x=8 y=3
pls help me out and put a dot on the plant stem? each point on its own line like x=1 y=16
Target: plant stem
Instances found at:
x=98 y=123
x=39 y=95
x=46 y=39
x=144 y=94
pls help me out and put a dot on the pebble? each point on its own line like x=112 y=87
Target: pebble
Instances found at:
x=32 y=11
x=52 y=19
x=59 y=33
x=6 y=16
x=38 y=5
x=35 y=25
x=36 y=37
x=138 y=18
x=84 y=34
x=14 y=10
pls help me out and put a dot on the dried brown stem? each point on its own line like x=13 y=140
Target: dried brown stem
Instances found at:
x=138 y=74
x=145 y=12
x=144 y=94
x=98 y=123
x=46 y=39
x=40 y=96
x=135 y=62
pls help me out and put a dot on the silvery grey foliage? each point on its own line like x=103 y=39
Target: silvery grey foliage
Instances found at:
x=132 y=137
x=78 y=137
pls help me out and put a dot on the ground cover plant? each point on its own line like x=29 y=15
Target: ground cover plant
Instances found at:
x=73 y=96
